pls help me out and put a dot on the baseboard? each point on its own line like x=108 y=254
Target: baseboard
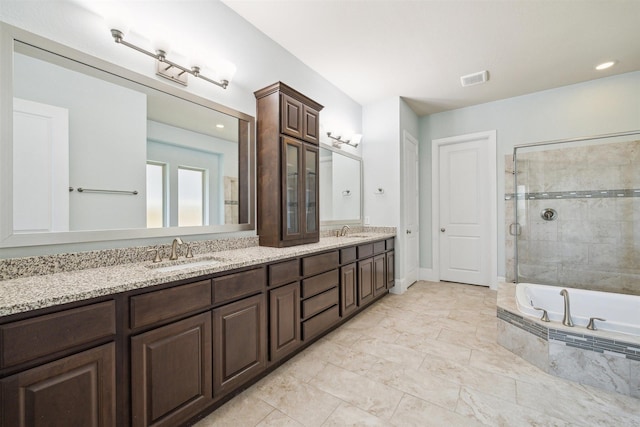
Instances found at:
x=427 y=274
x=399 y=288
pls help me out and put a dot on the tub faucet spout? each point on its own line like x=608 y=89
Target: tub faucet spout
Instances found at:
x=566 y=320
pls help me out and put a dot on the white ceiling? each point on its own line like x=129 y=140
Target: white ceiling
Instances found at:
x=374 y=50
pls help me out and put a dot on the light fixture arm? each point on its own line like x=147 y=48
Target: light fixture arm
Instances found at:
x=337 y=140
x=161 y=56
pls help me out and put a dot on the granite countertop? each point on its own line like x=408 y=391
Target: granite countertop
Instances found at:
x=31 y=293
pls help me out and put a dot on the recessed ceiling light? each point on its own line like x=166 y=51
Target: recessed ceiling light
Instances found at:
x=220 y=126
x=605 y=65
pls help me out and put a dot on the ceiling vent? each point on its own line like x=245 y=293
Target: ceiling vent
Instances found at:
x=475 y=78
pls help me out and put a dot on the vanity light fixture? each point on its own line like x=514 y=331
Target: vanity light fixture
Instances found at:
x=337 y=141
x=166 y=68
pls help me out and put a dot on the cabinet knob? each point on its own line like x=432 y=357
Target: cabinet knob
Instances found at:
x=408 y=231
x=443 y=229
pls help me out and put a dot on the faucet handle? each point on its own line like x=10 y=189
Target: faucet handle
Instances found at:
x=545 y=316
x=592 y=324
x=189 y=251
x=158 y=256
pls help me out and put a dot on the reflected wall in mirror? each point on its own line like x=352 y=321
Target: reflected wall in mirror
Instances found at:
x=340 y=187
x=97 y=150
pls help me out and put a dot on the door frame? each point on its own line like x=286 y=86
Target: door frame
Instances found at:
x=490 y=138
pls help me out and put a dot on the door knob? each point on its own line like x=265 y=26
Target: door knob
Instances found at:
x=443 y=229
x=408 y=231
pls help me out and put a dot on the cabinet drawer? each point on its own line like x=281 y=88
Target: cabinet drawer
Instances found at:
x=320 y=283
x=157 y=306
x=29 y=339
x=320 y=323
x=320 y=302
x=378 y=247
x=284 y=272
x=390 y=243
x=236 y=285
x=347 y=255
x=365 y=250
x=318 y=263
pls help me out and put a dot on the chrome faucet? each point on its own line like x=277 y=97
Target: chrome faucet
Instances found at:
x=345 y=229
x=566 y=320
x=174 y=246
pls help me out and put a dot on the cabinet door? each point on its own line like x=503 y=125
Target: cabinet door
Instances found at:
x=284 y=320
x=311 y=194
x=239 y=342
x=311 y=125
x=391 y=265
x=365 y=281
x=379 y=276
x=348 y=290
x=291 y=189
x=78 y=390
x=171 y=372
x=291 y=116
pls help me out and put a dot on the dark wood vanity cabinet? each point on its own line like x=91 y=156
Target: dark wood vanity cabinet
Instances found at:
x=300 y=119
x=365 y=281
x=284 y=320
x=77 y=390
x=239 y=343
x=391 y=269
x=171 y=372
x=167 y=355
x=379 y=274
x=348 y=290
x=288 y=167
x=376 y=272
x=60 y=378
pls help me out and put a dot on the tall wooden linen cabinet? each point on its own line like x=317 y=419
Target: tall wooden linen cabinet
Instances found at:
x=288 y=134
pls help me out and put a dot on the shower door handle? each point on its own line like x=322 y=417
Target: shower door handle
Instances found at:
x=515 y=229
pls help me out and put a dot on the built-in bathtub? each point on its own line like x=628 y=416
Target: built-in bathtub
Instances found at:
x=622 y=312
x=607 y=358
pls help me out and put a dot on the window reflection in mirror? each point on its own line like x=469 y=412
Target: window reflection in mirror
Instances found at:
x=163 y=161
x=340 y=187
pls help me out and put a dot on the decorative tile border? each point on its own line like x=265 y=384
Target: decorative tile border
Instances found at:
x=597 y=344
x=571 y=339
x=588 y=194
x=524 y=324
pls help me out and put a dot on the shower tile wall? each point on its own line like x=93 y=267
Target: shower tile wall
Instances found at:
x=595 y=241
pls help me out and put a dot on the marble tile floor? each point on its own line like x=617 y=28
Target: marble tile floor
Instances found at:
x=428 y=357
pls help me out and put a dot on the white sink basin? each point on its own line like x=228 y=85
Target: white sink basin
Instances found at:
x=185 y=264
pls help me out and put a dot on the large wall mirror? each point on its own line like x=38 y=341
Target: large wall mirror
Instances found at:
x=91 y=151
x=340 y=187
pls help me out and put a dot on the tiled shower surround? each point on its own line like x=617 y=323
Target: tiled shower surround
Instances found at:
x=595 y=241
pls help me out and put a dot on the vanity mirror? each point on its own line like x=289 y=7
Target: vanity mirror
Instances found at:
x=91 y=151
x=340 y=187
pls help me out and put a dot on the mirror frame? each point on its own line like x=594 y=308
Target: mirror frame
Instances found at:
x=9 y=34
x=332 y=223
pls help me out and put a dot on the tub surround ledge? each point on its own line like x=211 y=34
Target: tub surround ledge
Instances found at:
x=40 y=290
x=606 y=360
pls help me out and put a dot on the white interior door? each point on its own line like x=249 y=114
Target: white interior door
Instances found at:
x=466 y=233
x=40 y=167
x=411 y=207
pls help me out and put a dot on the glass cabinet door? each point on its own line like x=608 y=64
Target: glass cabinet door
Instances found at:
x=291 y=191
x=311 y=190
